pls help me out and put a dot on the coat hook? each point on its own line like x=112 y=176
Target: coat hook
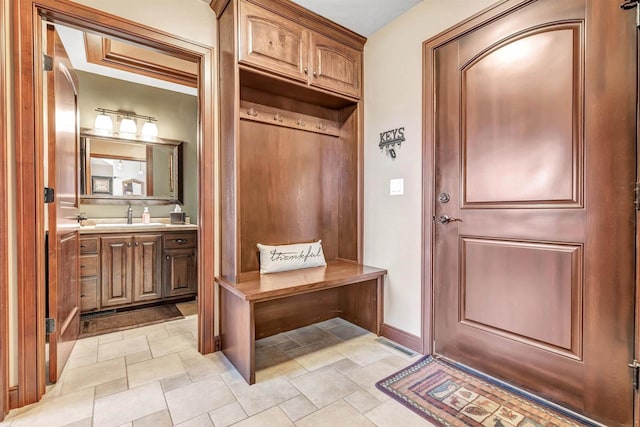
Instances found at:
x=301 y=123
x=252 y=112
x=322 y=126
x=278 y=117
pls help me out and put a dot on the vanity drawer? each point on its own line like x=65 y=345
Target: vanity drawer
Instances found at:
x=88 y=245
x=88 y=294
x=88 y=265
x=180 y=240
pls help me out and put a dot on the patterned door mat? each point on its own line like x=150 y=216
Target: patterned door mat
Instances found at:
x=448 y=396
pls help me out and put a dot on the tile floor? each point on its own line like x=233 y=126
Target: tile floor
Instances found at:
x=320 y=375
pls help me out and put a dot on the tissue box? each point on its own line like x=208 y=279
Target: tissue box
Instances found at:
x=177 y=217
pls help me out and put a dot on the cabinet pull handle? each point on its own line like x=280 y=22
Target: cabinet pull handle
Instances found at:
x=83 y=266
x=83 y=295
x=83 y=246
x=180 y=241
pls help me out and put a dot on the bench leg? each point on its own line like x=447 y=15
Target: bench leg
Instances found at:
x=237 y=333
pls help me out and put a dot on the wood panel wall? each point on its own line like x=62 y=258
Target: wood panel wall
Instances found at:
x=29 y=154
x=4 y=285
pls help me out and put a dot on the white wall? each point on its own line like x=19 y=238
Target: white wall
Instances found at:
x=393 y=98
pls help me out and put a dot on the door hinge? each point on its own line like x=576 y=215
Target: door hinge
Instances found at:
x=632 y=4
x=47 y=63
x=50 y=325
x=49 y=195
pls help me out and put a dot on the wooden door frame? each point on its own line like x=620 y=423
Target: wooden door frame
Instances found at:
x=4 y=231
x=30 y=211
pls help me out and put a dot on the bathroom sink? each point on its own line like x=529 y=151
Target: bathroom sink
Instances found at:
x=124 y=225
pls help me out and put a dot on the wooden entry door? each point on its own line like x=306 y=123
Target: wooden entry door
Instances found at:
x=533 y=270
x=64 y=282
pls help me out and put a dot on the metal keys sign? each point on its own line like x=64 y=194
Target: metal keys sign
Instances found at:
x=389 y=139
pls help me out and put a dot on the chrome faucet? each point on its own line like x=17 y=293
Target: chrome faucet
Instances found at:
x=130 y=215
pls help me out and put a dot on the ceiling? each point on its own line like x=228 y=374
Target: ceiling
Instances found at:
x=365 y=17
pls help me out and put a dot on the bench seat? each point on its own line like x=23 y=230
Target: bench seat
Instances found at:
x=259 y=306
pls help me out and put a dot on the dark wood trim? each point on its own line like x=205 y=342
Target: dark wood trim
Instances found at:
x=402 y=337
x=13 y=397
x=4 y=231
x=218 y=6
x=29 y=154
x=428 y=146
x=636 y=346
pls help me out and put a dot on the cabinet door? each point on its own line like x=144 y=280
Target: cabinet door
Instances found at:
x=117 y=270
x=147 y=267
x=88 y=294
x=273 y=43
x=335 y=66
x=180 y=272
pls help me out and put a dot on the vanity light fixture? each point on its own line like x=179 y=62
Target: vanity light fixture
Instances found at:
x=103 y=122
x=128 y=123
x=150 y=129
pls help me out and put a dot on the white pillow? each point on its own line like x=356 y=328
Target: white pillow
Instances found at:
x=290 y=257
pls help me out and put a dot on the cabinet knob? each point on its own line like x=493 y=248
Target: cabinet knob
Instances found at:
x=167 y=257
x=129 y=244
x=315 y=74
x=137 y=243
x=306 y=70
x=180 y=241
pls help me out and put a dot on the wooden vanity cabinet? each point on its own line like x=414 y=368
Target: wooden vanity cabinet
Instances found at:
x=119 y=270
x=89 y=272
x=275 y=41
x=147 y=267
x=131 y=269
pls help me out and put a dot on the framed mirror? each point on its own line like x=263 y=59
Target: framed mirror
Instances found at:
x=117 y=169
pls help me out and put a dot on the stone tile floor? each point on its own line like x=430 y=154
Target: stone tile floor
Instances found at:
x=319 y=375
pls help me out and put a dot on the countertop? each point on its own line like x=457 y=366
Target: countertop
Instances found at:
x=119 y=226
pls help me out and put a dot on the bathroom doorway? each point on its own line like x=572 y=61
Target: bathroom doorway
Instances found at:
x=147 y=275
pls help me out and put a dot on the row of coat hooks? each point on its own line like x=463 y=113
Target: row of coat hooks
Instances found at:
x=288 y=119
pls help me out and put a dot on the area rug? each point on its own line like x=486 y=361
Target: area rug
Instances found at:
x=98 y=324
x=448 y=396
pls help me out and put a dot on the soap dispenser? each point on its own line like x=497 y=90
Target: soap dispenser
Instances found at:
x=146 y=216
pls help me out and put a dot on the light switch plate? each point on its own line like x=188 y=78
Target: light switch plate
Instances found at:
x=396 y=187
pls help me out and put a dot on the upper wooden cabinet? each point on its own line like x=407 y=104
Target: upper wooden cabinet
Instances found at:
x=335 y=66
x=271 y=42
x=277 y=39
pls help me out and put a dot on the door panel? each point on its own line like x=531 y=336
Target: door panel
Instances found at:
x=535 y=144
x=147 y=277
x=272 y=42
x=335 y=66
x=180 y=269
x=63 y=161
x=117 y=270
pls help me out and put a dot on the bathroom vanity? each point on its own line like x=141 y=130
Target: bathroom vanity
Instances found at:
x=128 y=265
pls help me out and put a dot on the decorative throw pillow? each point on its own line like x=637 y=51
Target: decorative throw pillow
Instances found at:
x=290 y=257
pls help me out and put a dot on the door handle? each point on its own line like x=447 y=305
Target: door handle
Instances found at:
x=446 y=219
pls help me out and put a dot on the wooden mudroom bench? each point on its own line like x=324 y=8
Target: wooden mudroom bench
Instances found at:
x=259 y=306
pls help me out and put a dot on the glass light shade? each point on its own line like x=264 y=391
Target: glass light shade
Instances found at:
x=103 y=122
x=149 y=129
x=128 y=125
